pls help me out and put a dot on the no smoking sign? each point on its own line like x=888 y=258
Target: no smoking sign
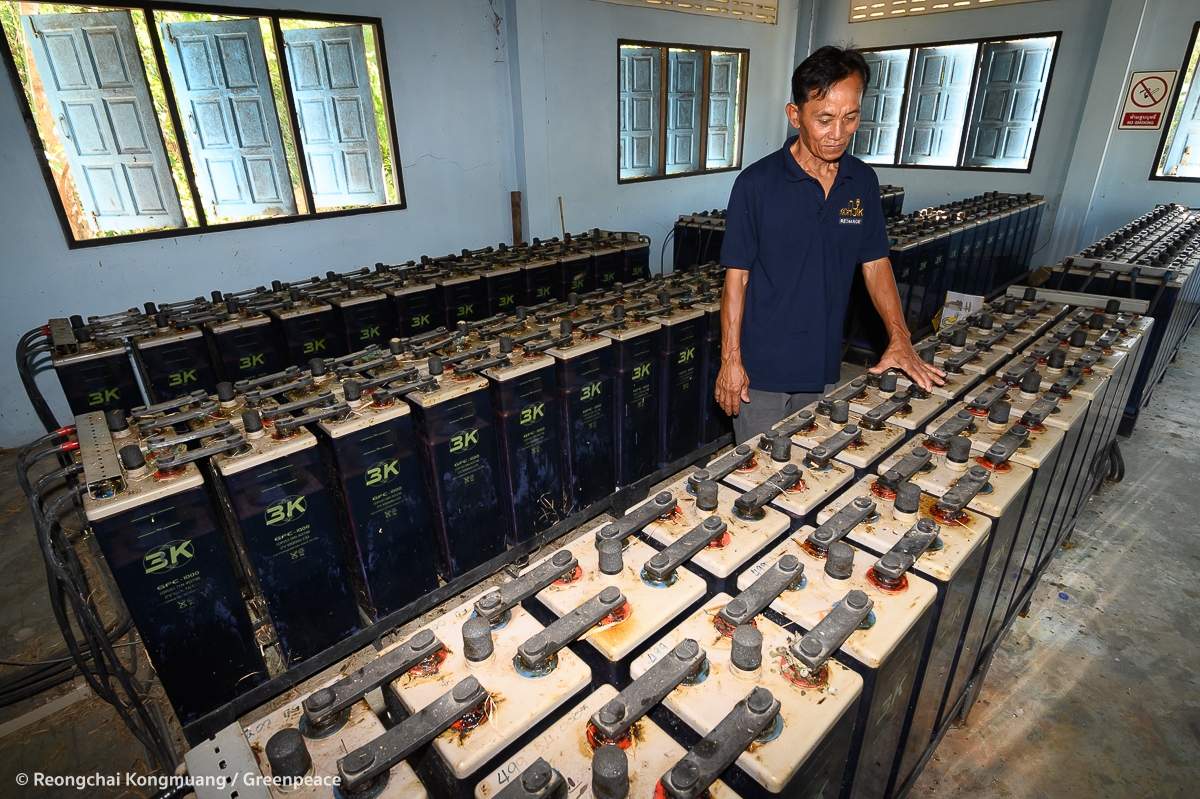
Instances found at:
x=1146 y=100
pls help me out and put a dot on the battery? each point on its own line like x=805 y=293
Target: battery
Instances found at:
x=380 y=492
x=771 y=453
x=456 y=442
x=748 y=530
x=884 y=651
x=363 y=316
x=96 y=375
x=953 y=567
x=608 y=259
x=714 y=422
x=652 y=605
x=415 y=305
x=461 y=295
x=804 y=748
x=636 y=251
x=919 y=409
x=585 y=373
x=245 y=344
x=280 y=509
x=161 y=541
x=175 y=361
x=569 y=745
x=504 y=288
x=308 y=329
x=543 y=276
x=524 y=394
x=636 y=395
x=286 y=747
x=679 y=373
x=577 y=271
x=827 y=422
x=519 y=699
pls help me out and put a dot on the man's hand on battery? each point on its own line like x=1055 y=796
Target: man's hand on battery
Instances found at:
x=733 y=387
x=901 y=355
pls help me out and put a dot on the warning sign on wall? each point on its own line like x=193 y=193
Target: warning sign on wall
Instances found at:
x=1146 y=100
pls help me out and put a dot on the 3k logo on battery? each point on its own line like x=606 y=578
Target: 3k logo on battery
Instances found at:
x=543 y=291
x=181 y=378
x=533 y=413
x=609 y=277
x=506 y=301
x=104 y=396
x=420 y=321
x=250 y=361
x=687 y=355
x=369 y=333
x=461 y=442
x=383 y=472
x=590 y=392
x=641 y=372
x=285 y=510
x=169 y=556
x=466 y=310
x=316 y=345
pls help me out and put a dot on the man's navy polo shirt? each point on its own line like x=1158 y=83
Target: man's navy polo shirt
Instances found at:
x=800 y=249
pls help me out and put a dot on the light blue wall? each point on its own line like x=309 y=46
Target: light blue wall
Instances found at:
x=1082 y=23
x=568 y=104
x=1122 y=189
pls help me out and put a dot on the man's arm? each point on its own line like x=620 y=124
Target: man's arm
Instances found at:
x=733 y=386
x=881 y=284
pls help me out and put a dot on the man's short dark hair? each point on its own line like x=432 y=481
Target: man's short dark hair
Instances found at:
x=825 y=67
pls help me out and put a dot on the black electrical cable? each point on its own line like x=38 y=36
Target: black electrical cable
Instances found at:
x=662 y=255
x=64 y=574
x=25 y=351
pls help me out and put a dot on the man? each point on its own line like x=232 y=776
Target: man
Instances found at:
x=799 y=221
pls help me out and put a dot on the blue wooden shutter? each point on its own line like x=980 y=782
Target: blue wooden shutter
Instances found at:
x=683 y=110
x=95 y=85
x=332 y=91
x=1008 y=102
x=883 y=99
x=937 y=104
x=219 y=71
x=1183 y=156
x=639 y=94
x=724 y=101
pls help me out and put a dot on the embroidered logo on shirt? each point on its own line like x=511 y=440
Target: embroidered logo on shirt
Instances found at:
x=852 y=213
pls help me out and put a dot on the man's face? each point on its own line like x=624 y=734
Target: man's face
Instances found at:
x=827 y=124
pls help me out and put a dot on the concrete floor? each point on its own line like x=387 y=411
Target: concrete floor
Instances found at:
x=1093 y=695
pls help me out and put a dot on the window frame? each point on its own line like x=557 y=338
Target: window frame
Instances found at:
x=971 y=100
x=273 y=16
x=664 y=79
x=1193 y=44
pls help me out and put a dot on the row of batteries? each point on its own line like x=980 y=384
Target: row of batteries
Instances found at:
x=725 y=646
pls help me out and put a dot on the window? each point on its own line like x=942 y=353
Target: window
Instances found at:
x=1179 y=151
x=156 y=121
x=681 y=110
x=958 y=105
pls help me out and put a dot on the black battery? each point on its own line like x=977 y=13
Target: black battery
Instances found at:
x=306 y=330
x=246 y=345
x=462 y=298
x=543 y=278
x=714 y=422
x=524 y=395
x=577 y=272
x=608 y=261
x=415 y=306
x=637 y=257
x=387 y=517
x=280 y=507
x=95 y=375
x=162 y=543
x=635 y=349
x=456 y=442
x=363 y=318
x=504 y=288
x=680 y=387
x=585 y=373
x=175 y=361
